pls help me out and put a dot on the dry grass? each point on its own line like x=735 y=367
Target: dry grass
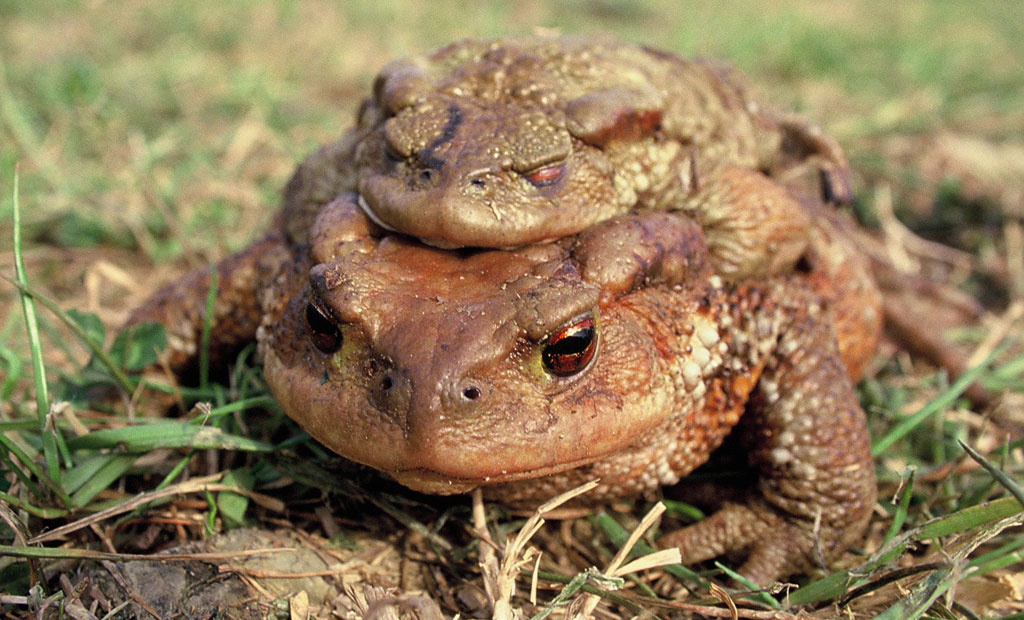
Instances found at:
x=155 y=137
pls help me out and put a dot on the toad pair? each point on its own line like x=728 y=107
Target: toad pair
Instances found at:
x=538 y=262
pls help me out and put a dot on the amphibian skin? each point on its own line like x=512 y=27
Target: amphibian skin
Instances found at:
x=616 y=354
x=622 y=342
x=531 y=371
x=514 y=141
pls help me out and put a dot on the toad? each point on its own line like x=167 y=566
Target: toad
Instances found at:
x=513 y=141
x=617 y=354
x=611 y=327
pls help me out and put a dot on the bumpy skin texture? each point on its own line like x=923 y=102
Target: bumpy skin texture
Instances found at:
x=437 y=372
x=514 y=141
x=438 y=376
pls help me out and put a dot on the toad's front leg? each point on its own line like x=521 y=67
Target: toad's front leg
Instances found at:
x=180 y=307
x=806 y=437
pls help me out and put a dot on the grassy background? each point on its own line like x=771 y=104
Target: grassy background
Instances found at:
x=170 y=128
x=152 y=137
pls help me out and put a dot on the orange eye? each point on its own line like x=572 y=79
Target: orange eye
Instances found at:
x=571 y=348
x=546 y=175
x=323 y=333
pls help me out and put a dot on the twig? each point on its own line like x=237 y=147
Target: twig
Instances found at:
x=500 y=579
x=190 y=486
x=269 y=574
x=615 y=567
x=997 y=333
x=65 y=553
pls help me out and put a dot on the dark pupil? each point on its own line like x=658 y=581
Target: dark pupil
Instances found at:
x=569 y=350
x=322 y=331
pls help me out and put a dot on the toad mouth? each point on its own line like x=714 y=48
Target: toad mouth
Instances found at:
x=368 y=211
x=434 y=482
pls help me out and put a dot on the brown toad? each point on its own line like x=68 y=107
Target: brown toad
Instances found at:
x=624 y=351
x=514 y=141
x=616 y=354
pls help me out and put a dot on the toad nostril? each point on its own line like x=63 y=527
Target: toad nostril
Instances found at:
x=471 y=393
x=426 y=175
x=390 y=392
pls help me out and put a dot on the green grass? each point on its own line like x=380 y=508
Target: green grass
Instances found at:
x=124 y=116
x=153 y=137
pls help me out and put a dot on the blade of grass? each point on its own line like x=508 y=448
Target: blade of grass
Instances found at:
x=25 y=478
x=240 y=405
x=1008 y=483
x=246 y=374
x=114 y=467
x=889 y=578
x=830 y=587
x=764 y=597
x=562 y=579
x=683 y=511
x=193 y=393
x=166 y=434
x=1009 y=375
x=122 y=381
x=168 y=479
x=921 y=596
x=571 y=588
x=126 y=505
x=17 y=425
x=835 y=584
x=618 y=536
x=74 y=478
x=42 y=513
x=970 y=517
x=14 y=368
x=1003 y=556
x=29 y=464
x=937 y=404
x=209 y=529
x=28 y=309
x=900 y=516
x=116 y=611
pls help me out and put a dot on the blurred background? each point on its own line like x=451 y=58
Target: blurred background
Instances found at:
x=168 y=129
x=152 y=136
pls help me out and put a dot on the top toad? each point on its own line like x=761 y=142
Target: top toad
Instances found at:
x=508 y=142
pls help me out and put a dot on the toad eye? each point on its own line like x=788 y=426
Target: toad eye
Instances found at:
x=547 y=175
x=571 y=348
x=323 y=332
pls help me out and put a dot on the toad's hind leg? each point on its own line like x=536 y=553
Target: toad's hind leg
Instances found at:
x=754 y=226
x=805 y=436
x=180 y=307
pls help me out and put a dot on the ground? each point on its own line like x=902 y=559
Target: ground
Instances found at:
x=149 y=138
